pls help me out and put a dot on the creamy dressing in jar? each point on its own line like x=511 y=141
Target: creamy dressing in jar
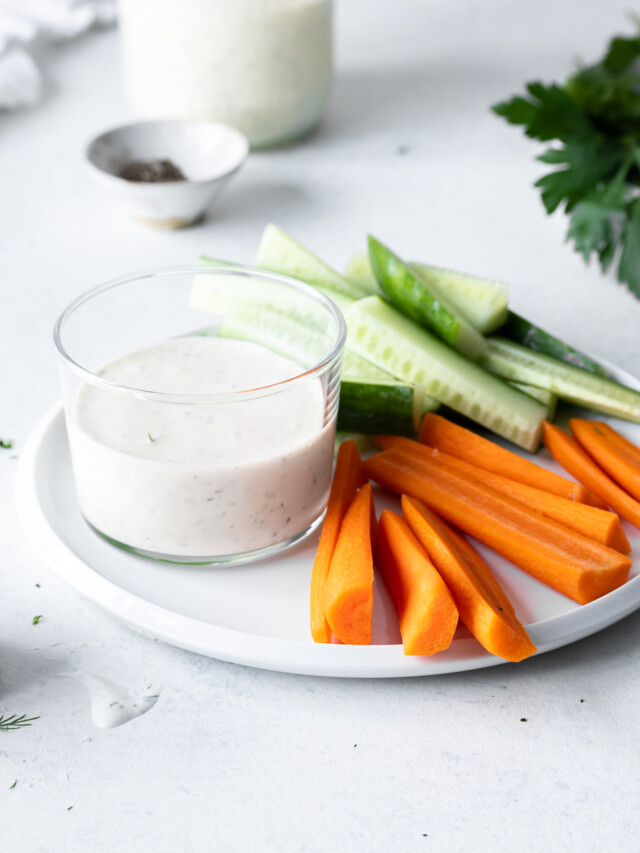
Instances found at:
x=262 y=66
x=211 y=479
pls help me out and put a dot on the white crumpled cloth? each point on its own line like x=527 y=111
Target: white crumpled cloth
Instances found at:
x=26 y=23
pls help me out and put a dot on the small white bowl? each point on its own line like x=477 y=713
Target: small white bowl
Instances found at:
x=206 y=152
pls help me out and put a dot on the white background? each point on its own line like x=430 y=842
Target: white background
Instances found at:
x=237 y=759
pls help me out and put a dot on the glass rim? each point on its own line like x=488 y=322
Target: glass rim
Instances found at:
x=94 y=379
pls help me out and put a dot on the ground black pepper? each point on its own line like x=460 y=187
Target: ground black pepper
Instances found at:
x=151 y=171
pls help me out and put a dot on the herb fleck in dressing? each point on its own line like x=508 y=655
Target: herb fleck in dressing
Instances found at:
x=202 y=480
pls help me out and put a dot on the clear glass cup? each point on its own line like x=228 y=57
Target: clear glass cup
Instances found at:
x=263 y=66
x=201 y=406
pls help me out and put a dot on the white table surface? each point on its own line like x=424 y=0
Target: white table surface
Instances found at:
x=238 y=759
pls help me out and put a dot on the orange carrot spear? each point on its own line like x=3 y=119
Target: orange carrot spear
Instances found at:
x=348 y=477
x=482 y=603
x=348 y=591
x=438 y=432
x=619 y=458
x=426 y=611
x=568 y=452
x=552 y=553
x=598 y=524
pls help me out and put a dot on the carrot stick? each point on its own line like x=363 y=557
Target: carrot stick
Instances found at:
x=348 y=591
x=348 y=477
x=552 y=553
x=598 y=524
x=630 y=450
x=482 y=603
x=568 y=452
x=427 y=614
x=618 y=457
x=438 y=432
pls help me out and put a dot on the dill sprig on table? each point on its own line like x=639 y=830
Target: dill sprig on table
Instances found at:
x=9 y=724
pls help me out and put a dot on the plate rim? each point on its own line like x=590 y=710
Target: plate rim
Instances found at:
x=271 y=653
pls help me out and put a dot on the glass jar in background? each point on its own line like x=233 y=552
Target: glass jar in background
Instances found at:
x=262 y=66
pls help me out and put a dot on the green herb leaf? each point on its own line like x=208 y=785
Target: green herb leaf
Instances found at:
x=588 y=163
x=629 y=267
x=597 y=225
x=36 y=619
x=6 y=445
x=14 y=722
x=594 y=119
x=608 y=91
x=14 y=785
x=548 y=113
x=621 y=54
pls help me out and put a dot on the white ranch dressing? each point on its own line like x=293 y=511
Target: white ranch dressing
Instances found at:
x=263 y=66
x=201 y=480
x=112 y=705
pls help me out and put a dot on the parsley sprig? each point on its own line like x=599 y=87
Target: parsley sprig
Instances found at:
x=593 y=121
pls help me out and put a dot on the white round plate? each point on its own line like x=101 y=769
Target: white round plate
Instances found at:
x=257 y=614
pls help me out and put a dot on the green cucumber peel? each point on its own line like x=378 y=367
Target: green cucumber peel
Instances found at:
x=425 y=304
x=357 y=369
x=371 y=409
x=381 y=334
x=522 y=331
x=573 y=384
x=481 y=300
